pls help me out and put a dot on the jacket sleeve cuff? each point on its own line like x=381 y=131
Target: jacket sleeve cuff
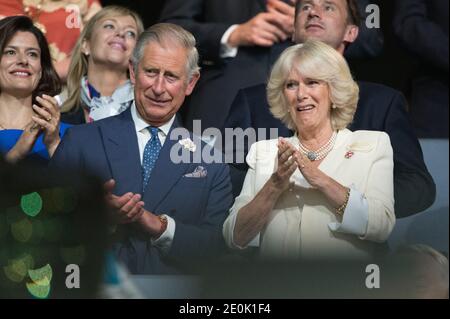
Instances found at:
x=356 y=215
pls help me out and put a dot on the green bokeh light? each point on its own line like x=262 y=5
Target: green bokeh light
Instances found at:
x=17 y=268
x=40 y=283
x=22 y=230
x=31 y=204
x=39 y=289
x=40 y=273
x=15 y=271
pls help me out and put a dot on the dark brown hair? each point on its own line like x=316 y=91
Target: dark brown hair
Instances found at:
x=49 y=83
x=354 y=15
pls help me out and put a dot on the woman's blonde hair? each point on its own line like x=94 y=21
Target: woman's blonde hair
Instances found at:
x=79 y=64
x=318 y=61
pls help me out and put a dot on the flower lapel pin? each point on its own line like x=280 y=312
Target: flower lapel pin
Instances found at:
x=188 y=144
x=349 y=154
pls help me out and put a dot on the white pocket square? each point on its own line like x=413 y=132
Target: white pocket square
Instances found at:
x=199 y=172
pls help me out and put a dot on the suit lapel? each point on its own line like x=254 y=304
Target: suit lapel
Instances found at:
x=332 y=161
x=165 y=174
x=122 y=152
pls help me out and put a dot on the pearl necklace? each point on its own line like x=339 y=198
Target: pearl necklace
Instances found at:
x=321 y=152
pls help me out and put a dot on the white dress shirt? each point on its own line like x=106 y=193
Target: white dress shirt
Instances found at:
x=164 y=242
x=226 y=50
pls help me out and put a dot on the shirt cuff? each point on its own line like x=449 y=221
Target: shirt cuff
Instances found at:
x=164 y=242
x=227 y=51
x=356 y=215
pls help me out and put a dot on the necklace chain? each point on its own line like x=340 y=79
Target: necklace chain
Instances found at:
x=320 y=153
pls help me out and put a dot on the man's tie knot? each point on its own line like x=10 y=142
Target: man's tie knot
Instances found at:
x=153 y=131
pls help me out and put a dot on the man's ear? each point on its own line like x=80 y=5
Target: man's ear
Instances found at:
x=351 y=33
x=192 y=82
x=131 y=70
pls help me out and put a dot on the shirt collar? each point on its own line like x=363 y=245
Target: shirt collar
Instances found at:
x=140 y=123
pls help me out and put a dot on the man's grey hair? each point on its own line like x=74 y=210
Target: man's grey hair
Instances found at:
x=168 y=34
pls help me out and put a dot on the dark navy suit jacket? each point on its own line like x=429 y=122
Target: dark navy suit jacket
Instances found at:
x=379 y=108
x=422 y=28
x=199 y=206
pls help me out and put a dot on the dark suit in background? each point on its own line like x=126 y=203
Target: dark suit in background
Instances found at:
x=222 y=78
x=379 y=108
x=109 y=149
x=422 y=28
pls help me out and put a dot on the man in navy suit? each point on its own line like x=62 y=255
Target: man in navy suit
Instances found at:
x=239 y=40
x=165 y=212
x=379 y=108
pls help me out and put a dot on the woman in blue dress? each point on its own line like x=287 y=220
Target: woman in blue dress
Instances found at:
x=29 y=114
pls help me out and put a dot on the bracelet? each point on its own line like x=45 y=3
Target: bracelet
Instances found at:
x=162 y=229
x=340 y=210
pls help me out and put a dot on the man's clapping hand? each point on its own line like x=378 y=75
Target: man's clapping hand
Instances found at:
x=125 y=209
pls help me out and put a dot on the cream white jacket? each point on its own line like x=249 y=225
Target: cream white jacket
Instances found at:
x=299 y=224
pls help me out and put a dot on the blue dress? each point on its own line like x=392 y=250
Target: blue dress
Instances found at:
x=9 y=138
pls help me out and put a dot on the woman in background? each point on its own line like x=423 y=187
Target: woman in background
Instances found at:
x=98 y=85
x=29 y=114
x=61 y=21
